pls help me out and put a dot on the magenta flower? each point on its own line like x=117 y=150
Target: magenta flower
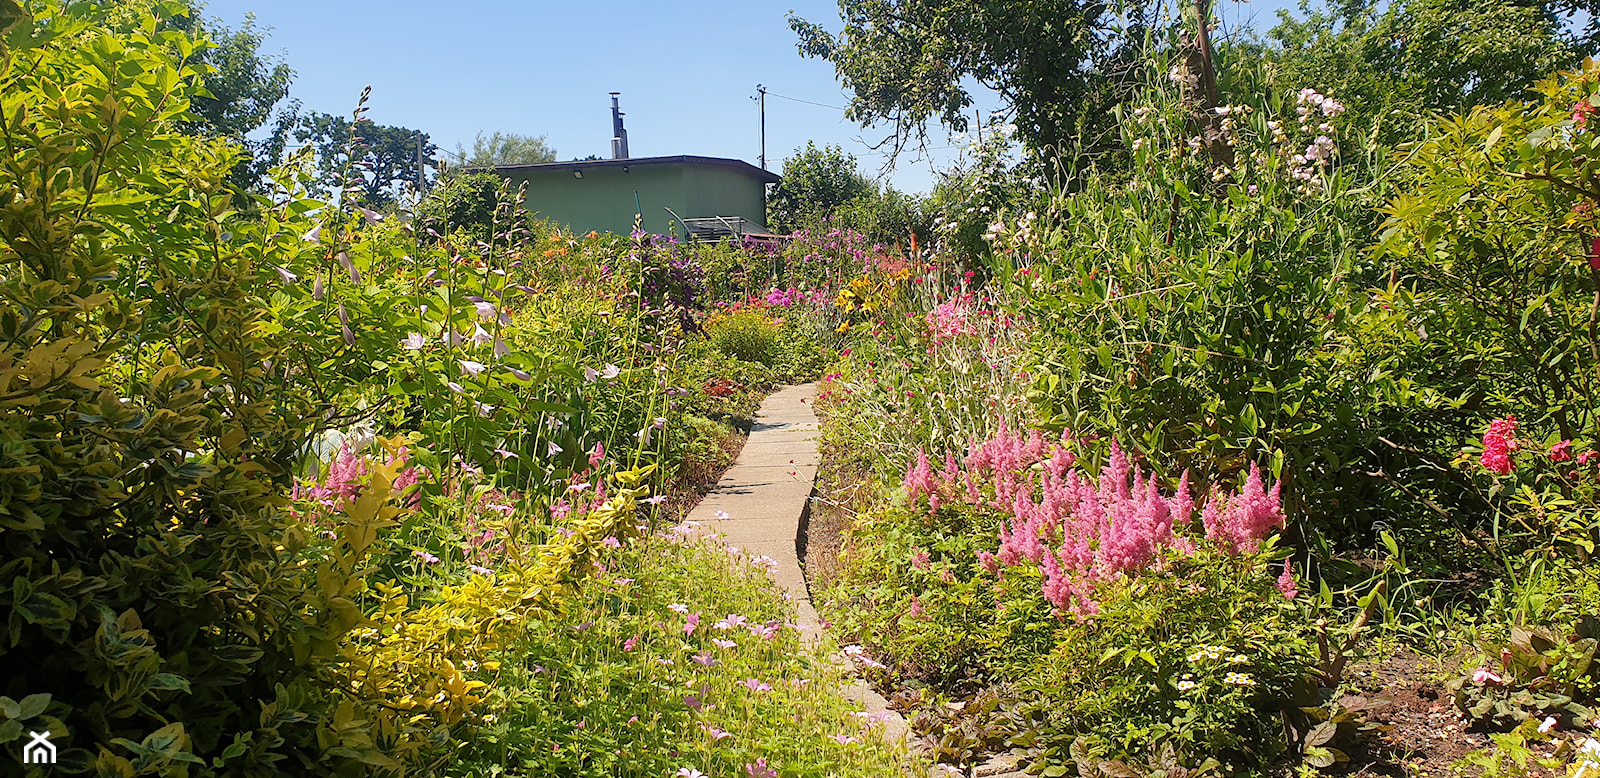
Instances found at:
x=631 y=643
x=1561 y=452
x=1498 y=444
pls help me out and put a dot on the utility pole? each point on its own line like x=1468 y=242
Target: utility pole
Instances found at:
x=763 y=91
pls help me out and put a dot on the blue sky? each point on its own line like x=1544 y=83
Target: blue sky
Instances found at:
x=686 y=71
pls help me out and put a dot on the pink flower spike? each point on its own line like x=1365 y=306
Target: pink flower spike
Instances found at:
x=1286 y=582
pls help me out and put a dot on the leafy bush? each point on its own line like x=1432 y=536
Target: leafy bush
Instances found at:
x=155 y=409
x=747 y=335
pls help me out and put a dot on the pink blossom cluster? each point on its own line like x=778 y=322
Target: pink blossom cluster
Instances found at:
x=951 y=319
x=1498 y=443
x=1079 y=529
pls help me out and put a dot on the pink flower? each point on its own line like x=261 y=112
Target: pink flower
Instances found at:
x=1548 y=724
x=1561 y=452
x=690 y=623
x=631 y=643
x=843 y=740
x=1498 y=444
x=733 y=620
x=1484 y=675
x=426 y=557
x=1286 y=582
x=724 y=643
x=716 y=733
x=760 y=769
x=705 y=659
x=755 y=685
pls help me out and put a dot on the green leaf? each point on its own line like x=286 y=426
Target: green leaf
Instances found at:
x=32 y=705
x=168 y=681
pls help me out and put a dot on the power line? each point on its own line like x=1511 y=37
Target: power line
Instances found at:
x=807 y=102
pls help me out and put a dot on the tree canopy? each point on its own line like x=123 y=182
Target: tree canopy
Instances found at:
x=506 y=148
x=385 y=156
x=1060 y=65
x=816 y=182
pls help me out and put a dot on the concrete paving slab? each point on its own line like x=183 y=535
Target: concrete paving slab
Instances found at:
x=764 y=496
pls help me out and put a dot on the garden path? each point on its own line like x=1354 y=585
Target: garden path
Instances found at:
x=766 y=497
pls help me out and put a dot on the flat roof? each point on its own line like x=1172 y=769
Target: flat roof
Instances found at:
x=765 y=176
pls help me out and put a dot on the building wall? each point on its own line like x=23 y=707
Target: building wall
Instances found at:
x=720 y=191
x=603 y=199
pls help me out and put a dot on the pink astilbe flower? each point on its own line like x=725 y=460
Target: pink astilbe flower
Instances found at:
x=1286 y=582
x=1240 y=522
x=1498 y=443
x=919 y=479
x=1081 y=530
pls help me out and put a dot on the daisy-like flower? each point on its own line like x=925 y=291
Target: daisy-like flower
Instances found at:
x=1238 y=659
x=1239 y=679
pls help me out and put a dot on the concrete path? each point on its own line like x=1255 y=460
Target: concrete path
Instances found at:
x=766 y=496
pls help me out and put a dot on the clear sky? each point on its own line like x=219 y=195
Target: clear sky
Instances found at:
x=687 y=73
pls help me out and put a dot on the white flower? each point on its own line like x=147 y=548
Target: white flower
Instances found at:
x=414 y=342
x=611 y=371
x=469 y=367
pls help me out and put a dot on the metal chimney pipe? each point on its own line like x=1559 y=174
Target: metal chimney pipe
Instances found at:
x=619 y=136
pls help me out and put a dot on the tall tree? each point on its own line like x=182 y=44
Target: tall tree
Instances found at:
x=1060 y=65
x=384 y=158
x=506 y=148
x=816 y=182
x=241 y=88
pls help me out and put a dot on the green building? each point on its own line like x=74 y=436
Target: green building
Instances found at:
x=709 y=195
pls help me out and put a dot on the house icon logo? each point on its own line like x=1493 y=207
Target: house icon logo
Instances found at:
x=39 y=750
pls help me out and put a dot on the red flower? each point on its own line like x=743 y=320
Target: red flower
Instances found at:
x=1561 y=452
x=1498 y=443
